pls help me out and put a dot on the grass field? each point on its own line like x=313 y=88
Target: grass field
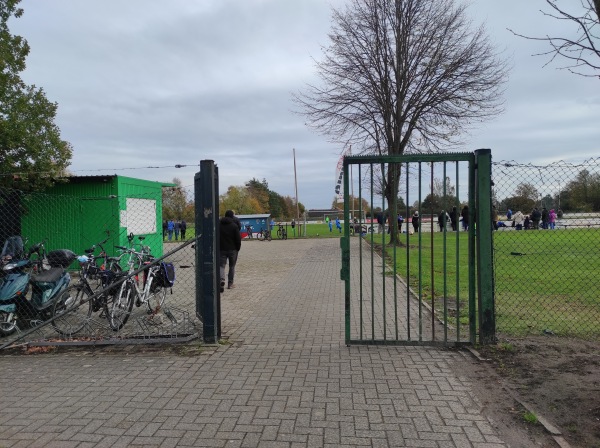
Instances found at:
x=545 y=281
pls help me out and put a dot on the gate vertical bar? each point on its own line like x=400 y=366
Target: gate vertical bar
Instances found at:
x=457 y=248
x=207 y=215
x=485 y=274
x=471 y=256
x=407 y=215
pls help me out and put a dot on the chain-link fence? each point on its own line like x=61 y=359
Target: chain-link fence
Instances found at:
x=93 y=261
x=546 y=248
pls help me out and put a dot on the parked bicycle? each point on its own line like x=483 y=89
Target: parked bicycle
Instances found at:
x=152 y=291
x=264 y=235
x=73 y=309
x=282 y=232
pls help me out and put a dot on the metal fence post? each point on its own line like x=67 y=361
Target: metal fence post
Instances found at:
x=208 y=307
x=485 y=268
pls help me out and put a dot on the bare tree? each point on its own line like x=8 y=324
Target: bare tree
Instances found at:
x=403 y=76
x=583 y=50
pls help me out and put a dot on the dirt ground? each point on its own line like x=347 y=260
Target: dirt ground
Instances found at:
x=557 y=379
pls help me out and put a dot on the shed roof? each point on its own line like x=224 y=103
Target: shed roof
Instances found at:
x=107 y=177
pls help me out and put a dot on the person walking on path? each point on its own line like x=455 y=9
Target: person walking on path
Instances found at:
x=170 y=228
x=230 y=243
x=164 y=224
x=453 y=218
x=338 y=225
x=183 y=228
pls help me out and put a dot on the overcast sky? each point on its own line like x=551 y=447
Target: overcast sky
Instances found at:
x=144 y=83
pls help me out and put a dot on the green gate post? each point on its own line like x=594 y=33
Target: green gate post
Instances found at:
x=485 y=268
x=208 y=303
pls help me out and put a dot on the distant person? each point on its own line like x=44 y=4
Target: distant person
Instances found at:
x=272 y=224
x=454 y=218
x=552 y=219
x=494 y=218
x=400 y=222
x=177 y=228
x=183 y=228
x=415 y=221
x=338 y=224
x=170 y=228
x=330 y=224
x=230 y=243
x=164 y=224
x=380 y=221
x=527 y=223
x=509 y=214
x=536 y=217
x=443 y=218
x=519 y=219
x=544 y=218
x=464 y=213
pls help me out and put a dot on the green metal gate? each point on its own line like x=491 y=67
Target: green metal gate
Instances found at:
x=418 y=267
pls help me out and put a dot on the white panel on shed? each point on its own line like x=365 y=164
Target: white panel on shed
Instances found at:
x=140 y=216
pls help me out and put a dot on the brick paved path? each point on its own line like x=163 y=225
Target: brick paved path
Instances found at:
x=286 y=379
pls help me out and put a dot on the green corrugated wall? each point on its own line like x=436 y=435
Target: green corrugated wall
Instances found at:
x=77 y=214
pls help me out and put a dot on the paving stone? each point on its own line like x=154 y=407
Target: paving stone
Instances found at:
x=285 y=378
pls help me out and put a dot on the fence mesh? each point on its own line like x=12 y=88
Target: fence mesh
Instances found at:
x=546 y=248
x=83 y=267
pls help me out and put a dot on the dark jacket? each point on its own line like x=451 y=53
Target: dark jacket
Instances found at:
x=229 y=238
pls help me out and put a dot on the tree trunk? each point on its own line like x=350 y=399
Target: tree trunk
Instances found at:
x=391 y=194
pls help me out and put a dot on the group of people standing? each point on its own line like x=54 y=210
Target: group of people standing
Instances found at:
x=453 y=217
x=176 y=228
x=537 y=219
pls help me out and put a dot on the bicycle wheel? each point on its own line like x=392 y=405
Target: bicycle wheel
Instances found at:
x=260 y=236
x=156 y=296
x=8 y=323
x=268 y=236
x=121 y=306
x=279 y=233
x=72 y=309
x=285 y=234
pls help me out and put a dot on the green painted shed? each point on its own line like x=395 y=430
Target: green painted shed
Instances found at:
x=77 y=213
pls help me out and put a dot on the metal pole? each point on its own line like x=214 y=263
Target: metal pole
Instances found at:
x=485 y=267
x=296 y=182
x=207 y=215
